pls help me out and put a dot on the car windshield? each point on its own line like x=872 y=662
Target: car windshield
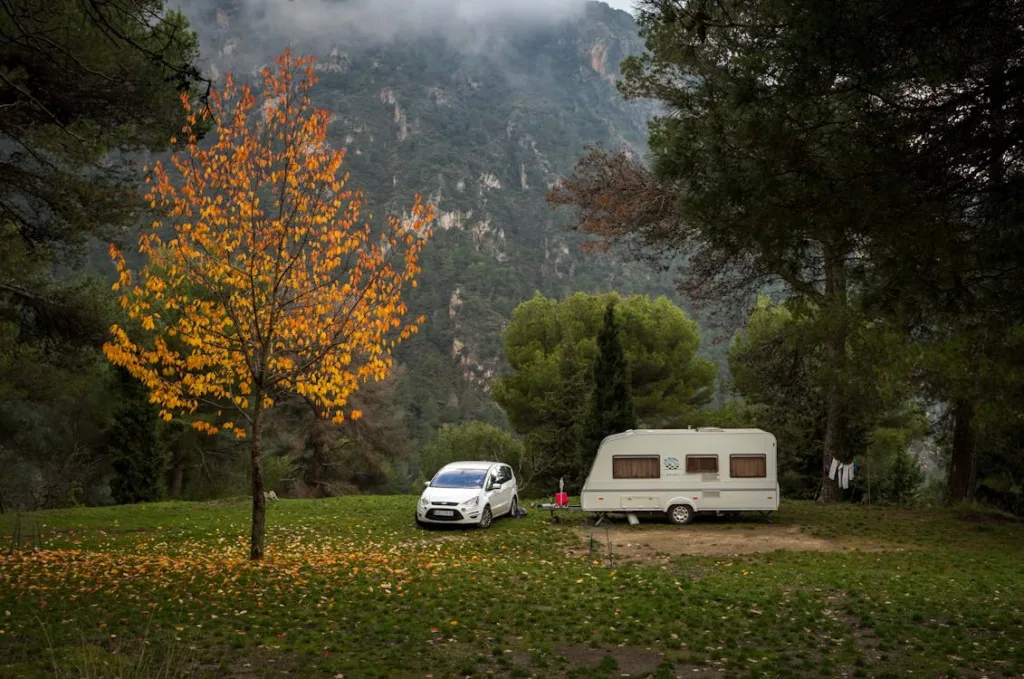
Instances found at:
x=460 y=478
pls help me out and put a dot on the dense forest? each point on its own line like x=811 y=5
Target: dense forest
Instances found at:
x=798 y=217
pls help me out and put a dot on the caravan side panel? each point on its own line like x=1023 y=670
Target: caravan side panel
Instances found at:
x=650 y=470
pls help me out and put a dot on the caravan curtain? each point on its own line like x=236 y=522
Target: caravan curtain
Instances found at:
x=636 y=467
x=748 y=466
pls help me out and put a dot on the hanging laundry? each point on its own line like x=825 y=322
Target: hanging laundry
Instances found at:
x=845 y=475
x=832 y=469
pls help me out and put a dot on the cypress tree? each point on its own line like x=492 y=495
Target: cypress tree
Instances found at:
x=140 y=459
x=611 y=403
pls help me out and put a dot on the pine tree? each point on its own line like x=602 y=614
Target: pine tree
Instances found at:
x=569 y=407
x=140 y=459
x=611 y=403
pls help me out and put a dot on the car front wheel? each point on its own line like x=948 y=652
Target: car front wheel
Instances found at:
x=486 y=518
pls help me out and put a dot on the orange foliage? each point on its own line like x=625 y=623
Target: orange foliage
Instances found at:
x=266 y=283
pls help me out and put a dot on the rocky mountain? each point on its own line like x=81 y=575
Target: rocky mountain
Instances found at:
x=481 y=113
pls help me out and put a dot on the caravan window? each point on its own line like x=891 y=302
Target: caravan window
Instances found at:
x=701 y=464
x=636 y=467
x=748 y=466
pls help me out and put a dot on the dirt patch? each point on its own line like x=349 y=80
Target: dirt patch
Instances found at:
x=627 y=660
x=661 y=544
x=985 y=517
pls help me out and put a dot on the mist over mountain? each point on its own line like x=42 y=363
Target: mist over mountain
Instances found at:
x=302 y=20
x=467 y=25
x=481 y=107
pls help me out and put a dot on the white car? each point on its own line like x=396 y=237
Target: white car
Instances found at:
x=469 y=493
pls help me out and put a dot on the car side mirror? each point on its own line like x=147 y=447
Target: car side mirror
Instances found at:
x=426 y=484
x=495 y=486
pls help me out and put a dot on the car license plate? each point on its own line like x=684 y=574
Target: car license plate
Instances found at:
x=444 y=512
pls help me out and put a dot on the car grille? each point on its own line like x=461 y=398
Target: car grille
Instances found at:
x=433 y=515
x=445 y=504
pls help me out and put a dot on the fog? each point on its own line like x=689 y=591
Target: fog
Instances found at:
x=391 y=19
x=624 y=5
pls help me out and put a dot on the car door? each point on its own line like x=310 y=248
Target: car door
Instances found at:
x=508 y=488
x=496 y=496
x=513 y=484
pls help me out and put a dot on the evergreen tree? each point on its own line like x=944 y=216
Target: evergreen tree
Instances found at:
x=611 y=403
x=907 y=476
x=75 y=97
x=570 y=400
x=140 y=459
x=813 y=147
x=556 y=449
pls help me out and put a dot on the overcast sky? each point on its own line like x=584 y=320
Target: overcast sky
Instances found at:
x=621 y=4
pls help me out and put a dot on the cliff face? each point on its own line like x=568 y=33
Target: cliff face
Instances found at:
x=483 y=122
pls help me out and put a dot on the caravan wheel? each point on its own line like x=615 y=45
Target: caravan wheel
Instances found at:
x=681 y=514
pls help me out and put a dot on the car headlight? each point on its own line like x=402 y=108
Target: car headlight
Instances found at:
x=471 y=502
x=423 y=502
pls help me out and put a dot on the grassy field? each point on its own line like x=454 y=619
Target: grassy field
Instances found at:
x=351 y=588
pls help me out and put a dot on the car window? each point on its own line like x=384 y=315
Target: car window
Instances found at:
x=508 y=473
x=503 y=474
x=459 y=478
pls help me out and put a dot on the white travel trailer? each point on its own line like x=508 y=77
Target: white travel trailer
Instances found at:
x=683 y=471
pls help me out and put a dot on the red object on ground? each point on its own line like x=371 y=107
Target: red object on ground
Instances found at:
x=561 y=499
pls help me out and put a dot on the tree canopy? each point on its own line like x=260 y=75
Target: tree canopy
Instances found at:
x=269 y=286
x=471 y=441
x=864 y=156
x=552 y=346
x=84 y=85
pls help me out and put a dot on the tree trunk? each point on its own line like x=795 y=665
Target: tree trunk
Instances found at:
x=321 y=441
x=177 y=471
x=259 y=502
x=963 y=467
x=834 y=447
x=834 y=444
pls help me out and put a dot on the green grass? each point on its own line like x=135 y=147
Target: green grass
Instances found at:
x=351 y=587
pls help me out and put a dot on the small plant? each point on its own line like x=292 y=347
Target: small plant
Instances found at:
x=153 y=656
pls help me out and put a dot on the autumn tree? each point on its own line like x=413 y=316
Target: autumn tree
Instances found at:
x=266 y=284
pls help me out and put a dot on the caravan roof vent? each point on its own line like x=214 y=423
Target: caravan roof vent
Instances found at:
x=709 y=429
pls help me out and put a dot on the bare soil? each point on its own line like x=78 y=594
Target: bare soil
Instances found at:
x=662 y=544
x=628 y=660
